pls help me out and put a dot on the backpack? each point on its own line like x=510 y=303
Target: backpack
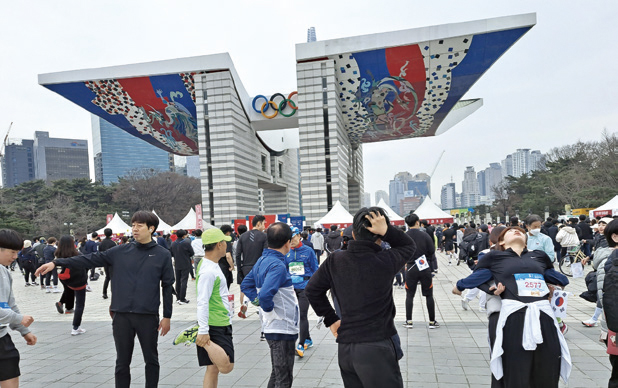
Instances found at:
x=470 y=246
x=75 y=279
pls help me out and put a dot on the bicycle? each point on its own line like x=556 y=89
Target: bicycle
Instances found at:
x=573 y=255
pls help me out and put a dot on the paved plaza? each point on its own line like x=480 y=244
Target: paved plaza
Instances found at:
x=455 y=355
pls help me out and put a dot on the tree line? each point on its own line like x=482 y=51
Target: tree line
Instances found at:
x=582 y=175
x=35 y=208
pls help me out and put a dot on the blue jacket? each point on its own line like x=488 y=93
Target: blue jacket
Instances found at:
x=306 y=255
x=269 y=281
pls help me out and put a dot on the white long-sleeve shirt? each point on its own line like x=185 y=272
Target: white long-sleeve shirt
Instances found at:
x=10 y=317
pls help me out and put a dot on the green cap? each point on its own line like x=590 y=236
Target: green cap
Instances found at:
x=214 y=235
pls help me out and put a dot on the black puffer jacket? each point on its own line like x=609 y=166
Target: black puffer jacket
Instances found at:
x=333 y=241
x=610 y=292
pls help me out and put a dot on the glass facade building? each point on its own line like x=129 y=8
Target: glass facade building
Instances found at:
x=18 y=162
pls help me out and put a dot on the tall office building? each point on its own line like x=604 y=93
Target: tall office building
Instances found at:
x=397 y=188
x=311 y=35
x=56 y=158
x=366 y=200
x=470 y=189
x=537 y=161
x=448 y=196
x=18 y=162
x=116 y=152
x=480 y=177
x=493 y=177
x=381 y=194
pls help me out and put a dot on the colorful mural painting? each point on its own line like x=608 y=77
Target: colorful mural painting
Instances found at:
x=406 y=91
x=158 y=109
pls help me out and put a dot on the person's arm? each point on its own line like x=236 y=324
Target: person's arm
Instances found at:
x=402 y=247
x=548 y=248
x=205 y=287
x=476 y=278
x=316 y=290
x=190 y=250
x=167 y=286
x=313 y=263
x=13 y=317
x=248 y=286
x=274 y=279
x=230 y=262
x=87 y=261
x=554 y=277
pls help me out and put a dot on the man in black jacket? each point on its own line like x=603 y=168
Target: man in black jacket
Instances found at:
x=106 y=244
x=141 y=268
x=587 y=235
x=248 y=250
x=182 y=251
x=361 y=278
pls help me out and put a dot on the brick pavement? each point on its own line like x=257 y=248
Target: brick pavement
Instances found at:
x=455 y=355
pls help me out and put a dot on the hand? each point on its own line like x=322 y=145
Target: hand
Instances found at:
x=231 y=269
x=551 y=288
x=378 y=224
x=334 y=328
x=585 y=260
x=27 y=320
x=202 y=340
x=497 y=289
x=456 y=290
x=30 y=339
x=164 y=326
x=45 y=268
x=270 y=316
x=476 y=262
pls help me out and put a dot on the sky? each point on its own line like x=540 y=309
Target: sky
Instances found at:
x=555 y=86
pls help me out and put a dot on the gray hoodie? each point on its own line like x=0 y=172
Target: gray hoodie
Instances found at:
x=9 y=313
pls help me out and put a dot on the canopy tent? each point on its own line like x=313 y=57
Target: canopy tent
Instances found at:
x=609 y=209
x=432 y=213
x=188 y=223
x=117 y=225
x=395 y=218
x=163 y=226
x=336 y=216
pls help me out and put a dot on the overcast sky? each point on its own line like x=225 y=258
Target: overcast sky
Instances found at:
x=553 y=87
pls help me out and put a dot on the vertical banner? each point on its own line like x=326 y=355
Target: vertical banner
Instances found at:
x=109 y=218
x=199 y=221
x=297 y=221
x=559 y=303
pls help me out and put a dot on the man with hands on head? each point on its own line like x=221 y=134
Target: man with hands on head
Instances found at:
x=10 y=316
x=141 y=270
x=361 y=277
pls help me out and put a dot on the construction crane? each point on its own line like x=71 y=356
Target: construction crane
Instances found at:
x=6 y=138
x=436 y=166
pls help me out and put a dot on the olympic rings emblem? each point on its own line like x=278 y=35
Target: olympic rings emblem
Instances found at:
x=278 y=107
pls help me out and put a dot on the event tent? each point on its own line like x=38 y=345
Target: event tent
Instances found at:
x=117 y=225
x=395 y=218
x=431 y=212
x=609 y=209
x=163 y=226
x=336 y=216
x=188 y=223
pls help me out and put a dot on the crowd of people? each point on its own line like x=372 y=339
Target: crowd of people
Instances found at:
x=345 y=274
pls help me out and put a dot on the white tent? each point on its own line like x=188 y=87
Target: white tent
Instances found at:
x=117 y=225
x=163 y=226
x=395 y=218
x=609 y=209
x=187 y=223
x=432 y=213
x=336 y=216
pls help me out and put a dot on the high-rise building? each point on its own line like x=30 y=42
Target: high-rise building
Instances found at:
x=116 y=152
x=470 y=188
x=493 y=177
x=537 y=161
x=480 y=177
x=18 y=162
x=507 y=166
x=56 y=158
x=448 y=196
x=311 y=35
x=397 y=188
x=381 y=194
x=366 y=200
x=521 y=162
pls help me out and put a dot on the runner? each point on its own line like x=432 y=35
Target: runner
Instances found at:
x=448 y=237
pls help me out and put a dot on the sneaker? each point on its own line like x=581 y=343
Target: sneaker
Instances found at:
x=187 y=336
x=308 y=343
x=449 y=262
x=88 y=289
x=71 y=311
x=262 y=337
x=27 y=284
x=408 y=324
x=243 y=312
x=47 y=290
x=105 y=296
x=457 y=261
x=564 y=328
x=300 y=350
x=320 y=322
x=465 y=304
x=35 y=283
x=60 y=308
x=434 y=324
x=590 y=323
x=183 y=301
x=78 y=331
x=482 y=309
x=56 y=290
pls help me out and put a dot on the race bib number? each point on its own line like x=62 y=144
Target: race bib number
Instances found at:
x=297 y=268
x=421 y=263
x=531 y=284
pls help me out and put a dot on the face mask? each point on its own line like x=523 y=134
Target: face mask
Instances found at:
x=535 y=232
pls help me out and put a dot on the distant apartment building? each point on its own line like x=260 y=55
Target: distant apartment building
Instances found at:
x=470 y=196
x=448 y=196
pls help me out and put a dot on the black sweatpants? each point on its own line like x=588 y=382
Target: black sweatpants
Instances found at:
x=303 y=324
x=48 y=277
x=413 y=276
x=67 y=298
x=80 y=303
x=370 y=364
x=282 y=358
x=538 y=368
x=125 y=326
x=108 y=278
x=182 y=277
x=29 y=270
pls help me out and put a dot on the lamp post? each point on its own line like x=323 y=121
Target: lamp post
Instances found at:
x=68 y=225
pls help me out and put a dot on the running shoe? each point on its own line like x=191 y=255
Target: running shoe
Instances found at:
x=243 y=312
x=27 y=284
x=590 y=323
x=308 y=343
x=564 y=328
x=78 y=331
x=105 y=296
x=262 y=337
x=465 y=304
x=71 y=311
x=188 y=335
x=482 y=309
x=300 y=350
x=408 y=324
x=35 y=283
x=59 y=308
x=56 y=290
x=434 y=325
x=183 y=301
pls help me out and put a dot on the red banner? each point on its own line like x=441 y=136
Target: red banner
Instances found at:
x=110 y=217
x=199 y=222
x=238 y=222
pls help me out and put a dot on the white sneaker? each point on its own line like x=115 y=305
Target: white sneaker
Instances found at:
x=465 y=303
x=482 y=309
x=590 y=323
x=78 y=331
x=56 y=290
x=48 y=290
